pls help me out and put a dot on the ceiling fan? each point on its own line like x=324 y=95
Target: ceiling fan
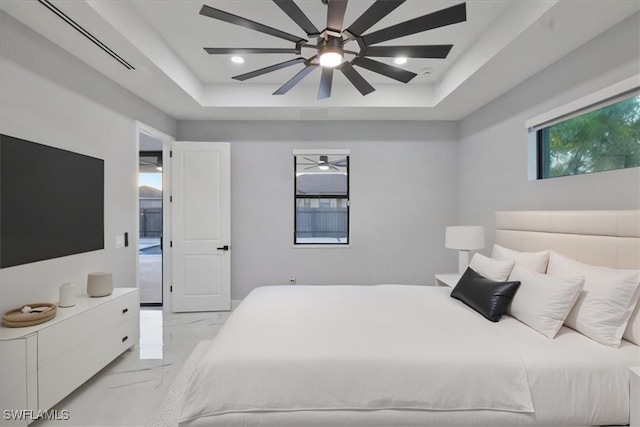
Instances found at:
x=146 y=164
x=324 y=164
x=331 y=42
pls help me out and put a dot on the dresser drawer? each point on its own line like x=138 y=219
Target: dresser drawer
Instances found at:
x=13 y=387
x=65 y=374
x=75 y=332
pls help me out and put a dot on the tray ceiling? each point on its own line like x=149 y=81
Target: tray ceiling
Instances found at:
x=501 y=44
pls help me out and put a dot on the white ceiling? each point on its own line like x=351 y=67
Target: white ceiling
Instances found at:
x=501 y=44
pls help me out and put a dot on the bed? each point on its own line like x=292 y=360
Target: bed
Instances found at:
x=400 y=355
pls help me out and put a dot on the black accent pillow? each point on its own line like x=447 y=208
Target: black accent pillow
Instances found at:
x=486 y=296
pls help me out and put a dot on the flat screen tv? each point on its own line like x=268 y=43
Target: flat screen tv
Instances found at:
x=51 y=202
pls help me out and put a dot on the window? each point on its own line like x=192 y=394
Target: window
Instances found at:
x=602 y=139
x=321 y=197
x=598 y=132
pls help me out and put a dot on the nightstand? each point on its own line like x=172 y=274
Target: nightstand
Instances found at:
x=449 y=279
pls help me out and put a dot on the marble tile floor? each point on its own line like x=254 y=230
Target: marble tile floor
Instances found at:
x=126 y=392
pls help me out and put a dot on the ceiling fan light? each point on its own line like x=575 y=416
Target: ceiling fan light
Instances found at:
x=330 y=59
x=324 y=163
x=237 y=59
x=330 y=51
x=400 y=60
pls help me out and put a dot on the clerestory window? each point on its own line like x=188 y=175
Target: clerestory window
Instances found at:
x=598 y=132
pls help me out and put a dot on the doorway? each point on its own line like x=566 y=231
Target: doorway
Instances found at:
x=153 y=216
x=150 y=243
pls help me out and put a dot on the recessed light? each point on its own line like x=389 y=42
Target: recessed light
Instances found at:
x=237 y=59
x=400 y=60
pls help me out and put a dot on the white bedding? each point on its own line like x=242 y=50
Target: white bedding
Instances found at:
x=398 y=355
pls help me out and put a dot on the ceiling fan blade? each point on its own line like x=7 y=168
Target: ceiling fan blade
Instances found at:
x=396 y=73
x=296 y=79
x=221 y=15
x=275 y=67
x=248 y=50
x=426 y=51
x=333 y=167
x=298 y=16
x=372 y=16
x=335 y=14
x=441 y=18
x=311 y=160
x=325 y=83
x=356 y=79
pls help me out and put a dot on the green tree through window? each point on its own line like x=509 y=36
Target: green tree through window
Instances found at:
x=604 y=139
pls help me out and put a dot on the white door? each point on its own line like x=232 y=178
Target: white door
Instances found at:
x=201 y=226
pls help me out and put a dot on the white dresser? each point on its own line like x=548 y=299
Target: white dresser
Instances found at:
x=42 y=364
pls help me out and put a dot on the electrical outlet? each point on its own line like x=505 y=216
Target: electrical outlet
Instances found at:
x=120 y=241
x=292 y=280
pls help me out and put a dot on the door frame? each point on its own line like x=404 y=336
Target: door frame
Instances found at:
x=166 y=139
x=160 y=156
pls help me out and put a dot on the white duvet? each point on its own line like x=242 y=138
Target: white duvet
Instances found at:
x=370 y=348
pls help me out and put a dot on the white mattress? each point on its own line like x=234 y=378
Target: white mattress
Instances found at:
x=433 y=359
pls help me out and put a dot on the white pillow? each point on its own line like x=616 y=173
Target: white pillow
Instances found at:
x=606 y=302
x=536 y=261
x=632 y=333
x=542 y=301
x=491 y=268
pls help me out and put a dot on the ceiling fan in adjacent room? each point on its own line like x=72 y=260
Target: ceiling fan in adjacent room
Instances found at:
x=324 y=164
x=332 y=42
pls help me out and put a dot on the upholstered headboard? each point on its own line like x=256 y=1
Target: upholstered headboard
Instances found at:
x=606 y=238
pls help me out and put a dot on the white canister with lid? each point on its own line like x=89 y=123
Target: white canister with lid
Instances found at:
x=67 y=295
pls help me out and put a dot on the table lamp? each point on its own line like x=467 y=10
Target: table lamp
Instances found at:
x=464 y=238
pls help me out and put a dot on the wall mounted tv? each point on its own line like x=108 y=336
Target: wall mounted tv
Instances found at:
x=51 y=202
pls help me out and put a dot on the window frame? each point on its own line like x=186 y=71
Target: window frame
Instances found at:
x=296 y=197
x=599 y=99
x=544 y=154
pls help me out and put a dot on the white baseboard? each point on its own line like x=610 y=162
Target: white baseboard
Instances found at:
x=234 y=303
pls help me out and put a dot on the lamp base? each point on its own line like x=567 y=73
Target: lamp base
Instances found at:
x=463 y=261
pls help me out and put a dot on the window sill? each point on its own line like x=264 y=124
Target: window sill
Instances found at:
x=320 y=246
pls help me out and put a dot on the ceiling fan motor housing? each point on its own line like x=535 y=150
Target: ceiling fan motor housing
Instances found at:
x=330 y=45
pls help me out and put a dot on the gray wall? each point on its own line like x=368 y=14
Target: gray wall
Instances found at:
x=50 y=97
x=493 y=140
x=408 y=180
x=403 y=182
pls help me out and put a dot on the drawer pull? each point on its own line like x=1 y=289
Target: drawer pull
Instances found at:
x=124 y=310
x=125 y=338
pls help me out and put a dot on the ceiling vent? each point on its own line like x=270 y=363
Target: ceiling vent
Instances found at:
x=85 y=33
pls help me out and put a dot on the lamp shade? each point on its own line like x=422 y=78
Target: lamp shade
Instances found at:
x=464 y=237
